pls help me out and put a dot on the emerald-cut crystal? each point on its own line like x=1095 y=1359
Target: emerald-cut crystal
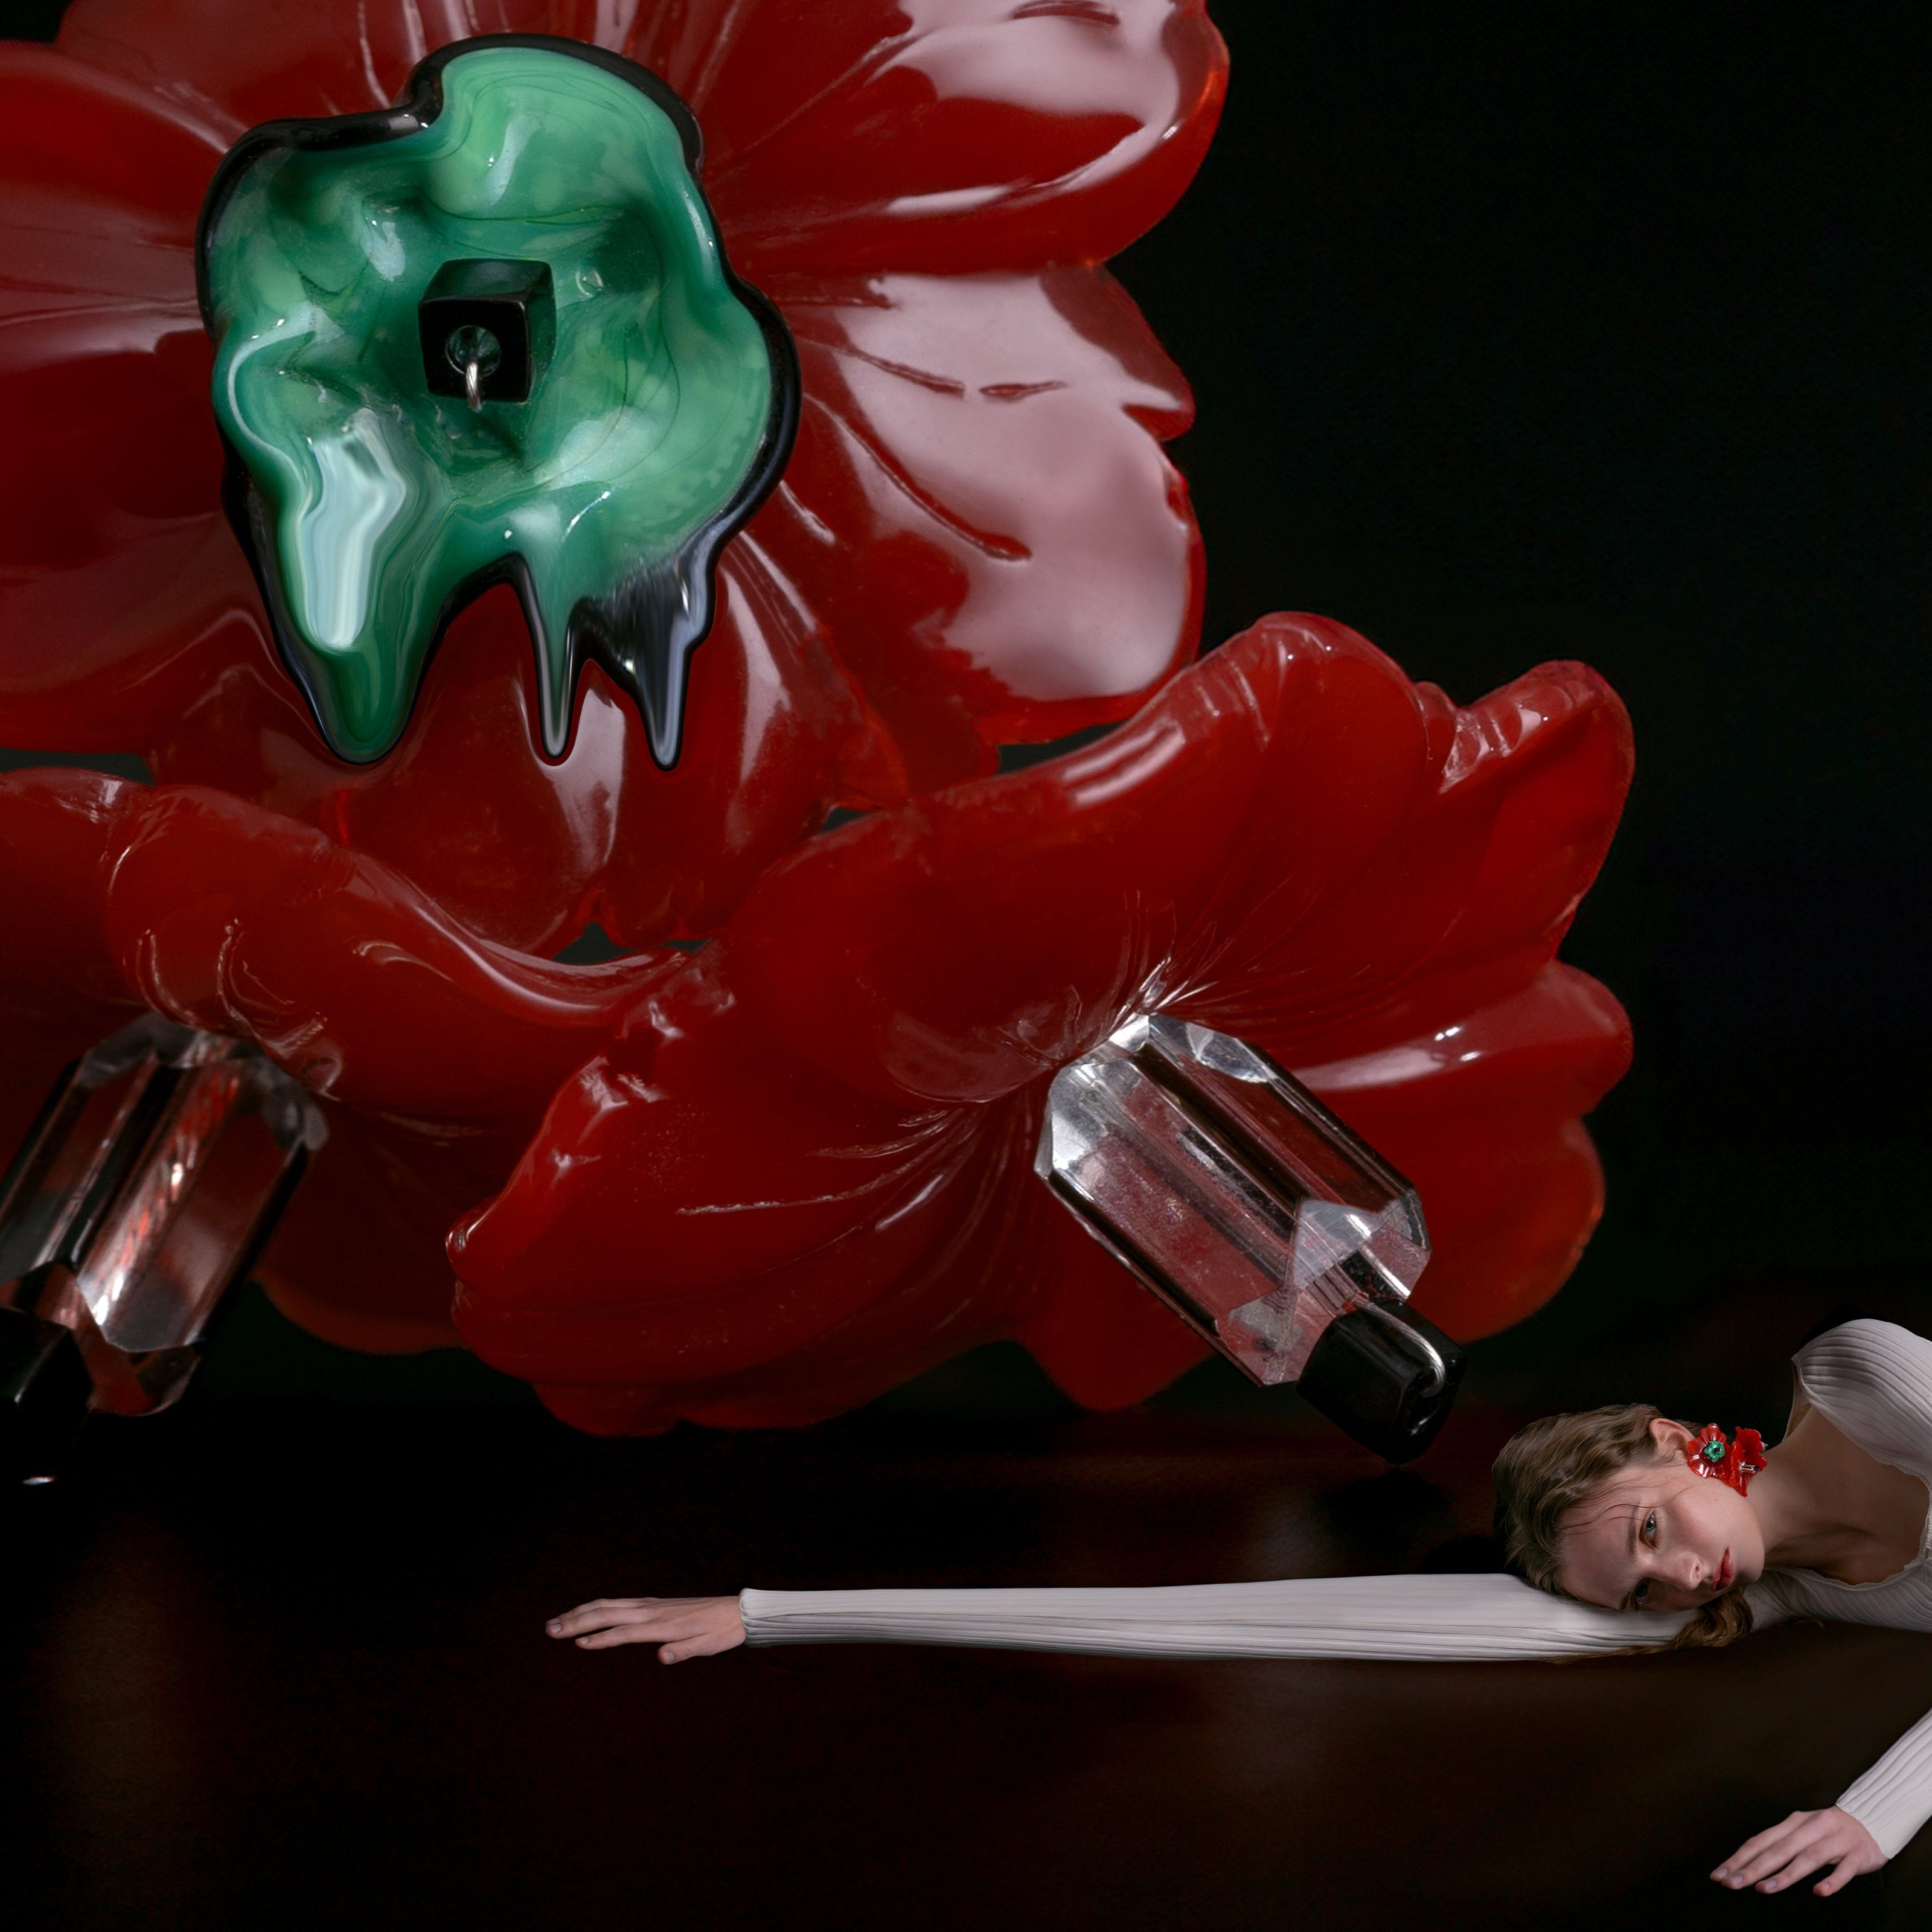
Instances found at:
x=374 y=506
x=1221 y=1183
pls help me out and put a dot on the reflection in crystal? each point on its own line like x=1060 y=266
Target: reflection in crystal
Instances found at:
x=157 y=1169
x=1227 y=1188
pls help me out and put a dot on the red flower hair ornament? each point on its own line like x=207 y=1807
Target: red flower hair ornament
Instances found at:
x=778 y=1156
x=1733 y=1461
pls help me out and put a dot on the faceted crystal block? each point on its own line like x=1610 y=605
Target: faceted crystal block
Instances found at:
x=156 y=1171
x=1230 y=1190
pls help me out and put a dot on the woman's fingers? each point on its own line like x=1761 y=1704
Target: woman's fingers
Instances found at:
x=682 y=1627
x=603 y=1611
x=707 y=1642
x=1776 y=1860
x=1847 y=1868
x=1758 y=1858
x=629 y=1633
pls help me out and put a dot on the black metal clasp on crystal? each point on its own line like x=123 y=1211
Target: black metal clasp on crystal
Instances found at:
x=157 y=1169
x=488 y=329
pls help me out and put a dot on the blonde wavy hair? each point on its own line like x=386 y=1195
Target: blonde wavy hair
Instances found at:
x=1547 y=1470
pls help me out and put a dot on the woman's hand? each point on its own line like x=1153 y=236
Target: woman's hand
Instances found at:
x=1776 y=1860
x=680 y=1627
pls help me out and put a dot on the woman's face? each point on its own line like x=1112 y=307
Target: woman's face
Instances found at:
x=1657 y=1536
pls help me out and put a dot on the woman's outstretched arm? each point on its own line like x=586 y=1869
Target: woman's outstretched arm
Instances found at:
x=1441 y=1618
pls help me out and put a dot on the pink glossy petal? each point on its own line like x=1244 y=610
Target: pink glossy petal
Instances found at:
x=940 y=136
x=979 y=508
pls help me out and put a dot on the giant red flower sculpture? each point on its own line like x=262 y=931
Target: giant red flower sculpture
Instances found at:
x=761 y=1179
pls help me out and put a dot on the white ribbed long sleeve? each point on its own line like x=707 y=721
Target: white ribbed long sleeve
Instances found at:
x=1895 y=1797
x=1485 y=1617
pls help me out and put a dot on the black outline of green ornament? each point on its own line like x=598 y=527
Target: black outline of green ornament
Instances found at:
x=600 y=630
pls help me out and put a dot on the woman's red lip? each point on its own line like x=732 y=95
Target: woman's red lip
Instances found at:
x=1726 y=1572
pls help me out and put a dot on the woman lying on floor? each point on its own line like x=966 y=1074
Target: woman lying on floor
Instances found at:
x=1608 y=1514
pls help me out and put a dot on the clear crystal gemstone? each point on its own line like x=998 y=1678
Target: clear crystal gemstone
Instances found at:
x=1221 y=1182
x=154 y=1172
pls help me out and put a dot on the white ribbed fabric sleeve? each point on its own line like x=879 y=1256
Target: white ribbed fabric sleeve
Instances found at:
x=1895 y=1797
x=1420 y=1619
x=1874 y=1379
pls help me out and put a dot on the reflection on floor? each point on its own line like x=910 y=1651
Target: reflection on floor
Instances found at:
x=283 y=1665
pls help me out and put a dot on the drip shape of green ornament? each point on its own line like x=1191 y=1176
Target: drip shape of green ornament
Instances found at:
x=659 y=394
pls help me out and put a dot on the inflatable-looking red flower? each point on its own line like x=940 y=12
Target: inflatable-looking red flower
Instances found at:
x=760 y=1180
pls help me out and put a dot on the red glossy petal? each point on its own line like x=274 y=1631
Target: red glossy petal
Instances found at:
x=358 y=1257
x=980 y=508
x=103 y=139
x=720 y=1204
x=1101 y=1336
x=941 y=135
x=871 y=1245
x=751 y=1245
x=1478 y=894
x=1015 y=1265
x=1290 y=831
x=979 y=938
x=224 y=916
x=40 y=1038
x=56 y=827
x=240 y=65
x=133 y=650
x=522 y=851
x=948 y=134
x=695 y=1140
x=1482 y=1116
x=111 y=450
x=775 y=735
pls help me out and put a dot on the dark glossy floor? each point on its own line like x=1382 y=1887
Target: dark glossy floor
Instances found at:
x=282 y=1664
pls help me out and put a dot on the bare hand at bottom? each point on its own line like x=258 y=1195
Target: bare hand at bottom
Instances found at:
x=680 y=1627
x=1775 y=1860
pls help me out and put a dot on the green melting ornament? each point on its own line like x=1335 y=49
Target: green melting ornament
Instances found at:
x=488 y=335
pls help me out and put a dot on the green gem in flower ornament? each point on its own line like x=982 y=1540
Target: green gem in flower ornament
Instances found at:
x=1713 y=1452
x=488 y=336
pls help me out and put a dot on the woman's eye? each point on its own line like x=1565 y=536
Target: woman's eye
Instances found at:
x=1650 y=1527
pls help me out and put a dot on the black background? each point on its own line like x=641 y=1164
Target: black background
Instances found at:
x=1597 y=333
